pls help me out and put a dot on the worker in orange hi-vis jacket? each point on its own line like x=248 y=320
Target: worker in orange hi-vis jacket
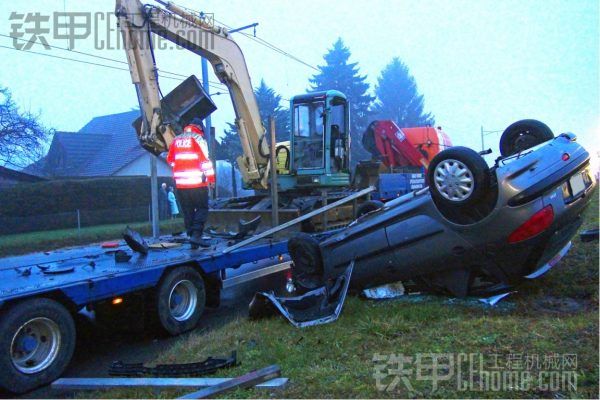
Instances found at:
x=193 y=172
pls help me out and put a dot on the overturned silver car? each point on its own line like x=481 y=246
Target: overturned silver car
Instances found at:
x=475 y=231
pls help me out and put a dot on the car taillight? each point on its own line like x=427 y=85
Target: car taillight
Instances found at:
x=538 y=223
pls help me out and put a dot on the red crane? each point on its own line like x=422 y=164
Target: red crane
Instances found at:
x=404 y=147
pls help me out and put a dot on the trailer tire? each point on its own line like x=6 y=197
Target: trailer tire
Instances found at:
x=458 y=177
x=37 y=340
x=307 y=269
x=367 y=207
x=180 y=300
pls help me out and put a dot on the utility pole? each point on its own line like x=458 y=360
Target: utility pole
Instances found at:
x=482 y=145
x=154 y=196
x=207 y=121
x=485 y=133
x=241 y=28
x=205 y=85
x=273 y=161
x=213 y=149
x=209 y=130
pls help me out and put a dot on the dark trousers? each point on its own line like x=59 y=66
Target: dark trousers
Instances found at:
x=194 y=204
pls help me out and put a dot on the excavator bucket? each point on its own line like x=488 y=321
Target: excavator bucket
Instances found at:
x=184 y=103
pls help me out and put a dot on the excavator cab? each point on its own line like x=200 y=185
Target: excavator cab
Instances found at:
x=319 y=142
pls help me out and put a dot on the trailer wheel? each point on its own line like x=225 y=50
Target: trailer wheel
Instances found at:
x=37 y=340
x=180 y=300
x=367 y=207
x=523 y=135
x=458 y=176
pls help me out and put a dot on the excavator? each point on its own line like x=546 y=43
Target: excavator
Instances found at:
x=319 y=146
x=313 y=167
x=316 y=160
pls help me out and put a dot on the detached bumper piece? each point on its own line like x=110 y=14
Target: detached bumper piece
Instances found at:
x=591 y=235
x=316 y=307
x=547 y=266
x=206 y=367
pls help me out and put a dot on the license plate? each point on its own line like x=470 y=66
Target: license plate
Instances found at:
x=577 y=184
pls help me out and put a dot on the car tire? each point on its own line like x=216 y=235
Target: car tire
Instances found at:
x=180 y=300
x=523 y=135
x=37 y=340
x=367 y=207
x=458 y=177
x=307 y=269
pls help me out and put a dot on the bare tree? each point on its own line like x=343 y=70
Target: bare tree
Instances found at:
x=22 y=136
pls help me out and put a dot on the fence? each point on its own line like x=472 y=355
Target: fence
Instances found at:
x=75 y=219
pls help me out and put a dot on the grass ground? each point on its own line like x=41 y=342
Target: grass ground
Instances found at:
x=555 y=315
x=47 y=240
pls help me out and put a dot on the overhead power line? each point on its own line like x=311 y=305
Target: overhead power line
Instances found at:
x=259 y=40
x=271 y=46
x=221 y=86
x=97 y=64
x=96 y=56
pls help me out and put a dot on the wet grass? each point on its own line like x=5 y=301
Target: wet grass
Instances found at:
x=557 y=314
x=23 y=243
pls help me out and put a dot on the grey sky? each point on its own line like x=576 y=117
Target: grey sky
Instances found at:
x=478 y=63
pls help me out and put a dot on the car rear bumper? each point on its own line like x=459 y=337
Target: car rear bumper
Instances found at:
x=555 y=179
x=553 y=261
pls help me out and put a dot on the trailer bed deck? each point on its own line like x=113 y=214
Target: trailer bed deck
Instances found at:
x=87 y=274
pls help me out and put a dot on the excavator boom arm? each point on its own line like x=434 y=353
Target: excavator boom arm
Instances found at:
x=183 y=28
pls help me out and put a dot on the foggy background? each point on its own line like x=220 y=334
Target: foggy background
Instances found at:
x=477 y=63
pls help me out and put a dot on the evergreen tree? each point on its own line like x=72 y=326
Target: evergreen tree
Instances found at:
x=398 y=98
x=339 y=74
x=269 y=104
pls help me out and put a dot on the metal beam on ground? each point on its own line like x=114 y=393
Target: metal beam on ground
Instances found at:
x=154 y=383
x=244 y=381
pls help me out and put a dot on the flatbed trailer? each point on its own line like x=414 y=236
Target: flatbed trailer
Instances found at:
x=41 y=292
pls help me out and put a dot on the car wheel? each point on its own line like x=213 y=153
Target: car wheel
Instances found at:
x=180 y=300
x=367 y=207
x=523 y=135
x=307 y=270
x=37 y=340
x=458 y=176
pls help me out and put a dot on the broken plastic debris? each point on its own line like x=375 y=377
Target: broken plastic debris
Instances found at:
x=135 y=241
x=318 y=306
x=388 y=291
x=492 y=301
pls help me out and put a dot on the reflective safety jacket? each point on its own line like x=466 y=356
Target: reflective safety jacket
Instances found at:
x=189 y=158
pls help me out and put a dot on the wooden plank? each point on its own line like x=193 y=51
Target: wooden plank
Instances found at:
x=153 y=383
x=250 y=379
x=299 y=219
